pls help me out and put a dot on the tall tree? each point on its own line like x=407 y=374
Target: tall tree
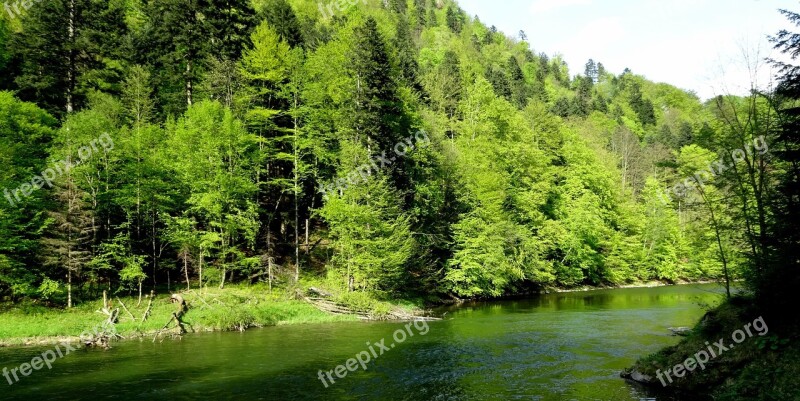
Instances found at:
x=407 y=56
x=26 y=132
x=173 y=43
x=282 y=18
x=455 y=18
x=69 y=47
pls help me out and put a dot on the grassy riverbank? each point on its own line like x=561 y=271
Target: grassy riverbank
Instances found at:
x=234 y=308
x=762 y=367
x=237 y=307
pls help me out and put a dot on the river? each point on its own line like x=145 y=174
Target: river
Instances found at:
x=566 y=346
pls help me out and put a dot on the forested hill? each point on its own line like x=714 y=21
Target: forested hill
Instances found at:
x=396 y=147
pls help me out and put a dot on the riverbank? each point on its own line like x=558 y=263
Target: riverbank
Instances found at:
x=644 y=284
x=234 y=308
x=748 y=355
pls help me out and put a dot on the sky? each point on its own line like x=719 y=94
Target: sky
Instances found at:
x=711 y=47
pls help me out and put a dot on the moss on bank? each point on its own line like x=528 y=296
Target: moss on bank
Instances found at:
x=762 y=367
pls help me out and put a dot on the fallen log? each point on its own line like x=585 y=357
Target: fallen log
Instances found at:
x=319 y=292
x=125 y=308
x=329 y=306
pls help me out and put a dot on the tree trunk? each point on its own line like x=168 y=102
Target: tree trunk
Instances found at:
x=69 y=288
x=189 y=82
x=70 y=58
x=186 y=270
x=296 y=204
x=201 y=268
x=718 y=234
x=153 y=243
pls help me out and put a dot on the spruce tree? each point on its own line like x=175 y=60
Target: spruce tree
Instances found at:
x=455 y=19
x=378 y=111
x=174 y=44
x=282 y=18
x=407 y=56
x=67 y=49
x=231 y=22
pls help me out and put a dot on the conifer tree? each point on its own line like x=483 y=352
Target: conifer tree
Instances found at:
x=69 y=47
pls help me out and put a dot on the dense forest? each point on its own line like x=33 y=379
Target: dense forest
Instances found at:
x=393 y=148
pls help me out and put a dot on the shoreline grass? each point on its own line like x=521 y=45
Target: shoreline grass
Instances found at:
x=234 y=308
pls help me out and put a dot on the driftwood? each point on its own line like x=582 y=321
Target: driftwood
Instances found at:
x=176 y=316
x=320 y=293
x=200 y=298
x=329 y=306
x=125 y=308
x=113 y=314
x=149 y=306
x=680 y=331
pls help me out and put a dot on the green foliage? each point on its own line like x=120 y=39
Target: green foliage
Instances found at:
x=229 y=123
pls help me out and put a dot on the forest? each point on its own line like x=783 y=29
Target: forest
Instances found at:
x=396 y=148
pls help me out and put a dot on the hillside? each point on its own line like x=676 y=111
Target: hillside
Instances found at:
x=405 y=149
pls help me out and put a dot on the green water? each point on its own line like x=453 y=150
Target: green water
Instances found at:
x=551 y=347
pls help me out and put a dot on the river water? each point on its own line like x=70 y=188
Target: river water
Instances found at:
x=568 y=346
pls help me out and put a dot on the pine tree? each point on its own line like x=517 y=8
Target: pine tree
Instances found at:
x=433 y=19
x=282 y=18
x=455 y=19
x=520 y=91
x=641 y=106
x=445 y=84
x=377 y=116
x=65 y=49
x=499 y=80
x=407 y=56
x=174 y=44
x=420 y=16
x=68 y=242
x=398 y=6
x=231 y=22
x=591 y=71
